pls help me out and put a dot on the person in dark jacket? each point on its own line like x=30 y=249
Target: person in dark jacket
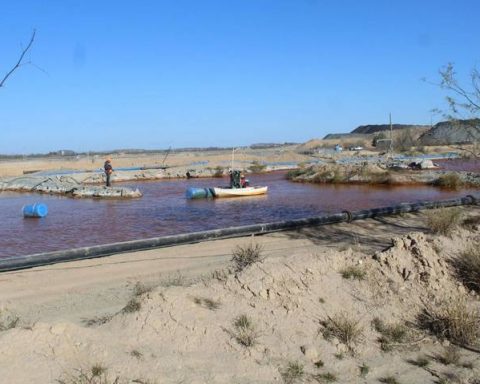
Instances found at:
x=108 y=170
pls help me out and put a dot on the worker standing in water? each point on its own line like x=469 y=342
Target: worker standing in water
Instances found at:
x=108 y=170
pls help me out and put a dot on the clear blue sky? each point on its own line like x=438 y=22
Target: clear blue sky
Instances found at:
x=154 y=74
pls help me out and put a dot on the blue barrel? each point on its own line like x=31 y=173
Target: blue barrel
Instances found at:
x=35 y=210
x=199 y=193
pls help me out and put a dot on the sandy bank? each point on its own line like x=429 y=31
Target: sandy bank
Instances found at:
x=180 y=325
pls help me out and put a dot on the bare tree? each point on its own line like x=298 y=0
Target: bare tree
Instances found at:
x=463 y=106
x=20 y=60
x=461 y=98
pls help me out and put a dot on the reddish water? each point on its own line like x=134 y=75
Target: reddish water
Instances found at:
x=163 y=210
x=471 y=165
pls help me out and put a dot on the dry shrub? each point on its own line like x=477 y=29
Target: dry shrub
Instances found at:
x=444 y=220
x=467 y=267
x=449 y=180
x=244 y=331
x=472 y=223
x=97 y=374
x=345 y=328
x=353 y=272
x=452 y=320
x=245 y=256
x=293 y=372
x=391 y=333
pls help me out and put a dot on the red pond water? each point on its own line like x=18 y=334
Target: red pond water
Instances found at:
x=163 y=210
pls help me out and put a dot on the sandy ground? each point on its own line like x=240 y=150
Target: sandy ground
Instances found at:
x=167 y=315
x=243 y=158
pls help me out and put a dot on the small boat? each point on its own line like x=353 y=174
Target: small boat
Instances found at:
x=202 y=193
x=236 y=192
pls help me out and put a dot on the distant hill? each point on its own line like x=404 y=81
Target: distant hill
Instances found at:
x=452 y=132
x=374 y=128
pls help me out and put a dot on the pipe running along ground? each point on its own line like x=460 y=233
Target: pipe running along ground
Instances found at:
x=39 y=259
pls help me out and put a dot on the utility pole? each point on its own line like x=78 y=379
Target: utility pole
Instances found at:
x=391 y=133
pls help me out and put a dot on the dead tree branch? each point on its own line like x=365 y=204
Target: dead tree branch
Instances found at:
x=20 y=60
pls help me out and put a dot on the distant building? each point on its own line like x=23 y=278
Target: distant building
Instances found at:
x=383 y=144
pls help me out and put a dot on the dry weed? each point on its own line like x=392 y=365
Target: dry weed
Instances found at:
x=444 y=220
x=293 y=372
x=244 y=331
x=345 y=328
x=245 y=256
x=452 y=320
x=449 y=180
x=467 y=267
x=97 y=374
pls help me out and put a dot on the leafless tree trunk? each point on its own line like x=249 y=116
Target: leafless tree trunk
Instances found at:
x=462 y=99
x=20 y=61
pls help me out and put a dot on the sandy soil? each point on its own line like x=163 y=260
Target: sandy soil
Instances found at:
x=200 y=159
x=167 y=315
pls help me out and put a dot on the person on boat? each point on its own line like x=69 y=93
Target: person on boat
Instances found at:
x=108 y=170
x=243 y=181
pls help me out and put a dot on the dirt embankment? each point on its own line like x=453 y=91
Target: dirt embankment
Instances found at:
x=333 y=304
x=371 y=173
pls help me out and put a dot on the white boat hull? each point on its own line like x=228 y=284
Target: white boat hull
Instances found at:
x=236 y=192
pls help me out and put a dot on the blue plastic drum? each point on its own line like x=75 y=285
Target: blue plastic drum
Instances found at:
x=35 y=210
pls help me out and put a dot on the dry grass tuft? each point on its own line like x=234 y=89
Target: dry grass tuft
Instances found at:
x=293 y=373
x=450 y=355
x=389 y=380
x=244 y=331
x=133 y=305
x=140 y=289
x=345 y=328
x=444 y=220
x=451 y=320
x=97 y=374
x=353 y=272
x=245 y=256
x=213 y=305
x=467 y=267
x=449 y=180
x=327 y=377
x=391 y=334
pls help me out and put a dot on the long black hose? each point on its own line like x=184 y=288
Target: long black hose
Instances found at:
x=39 y=259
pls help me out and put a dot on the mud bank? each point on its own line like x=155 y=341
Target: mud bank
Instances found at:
x=65 y=185
x=379 y=173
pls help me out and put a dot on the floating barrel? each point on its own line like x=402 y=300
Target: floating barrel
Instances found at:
x=35 y=210
x=199 y=193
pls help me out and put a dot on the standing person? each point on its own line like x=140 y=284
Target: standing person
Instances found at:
x=108 y=170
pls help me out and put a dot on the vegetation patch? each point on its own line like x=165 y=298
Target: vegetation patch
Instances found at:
x=353 y=272
x=133 y=305
x=257 y=167
x=345 y=328
x=244 y=331
x=449 y=180
x=245 y=256
x=451 y=320
x=444 y=220
x=207 y=303
x=293 y=373
x=467 y=267
x=391 y=334
x=97 y=374
x=327 y=377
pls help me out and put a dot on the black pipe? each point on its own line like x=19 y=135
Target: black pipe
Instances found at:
x=39 y=259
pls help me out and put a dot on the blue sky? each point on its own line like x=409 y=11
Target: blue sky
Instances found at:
x=154 y=74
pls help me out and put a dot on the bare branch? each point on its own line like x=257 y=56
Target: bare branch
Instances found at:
x=20 y=60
